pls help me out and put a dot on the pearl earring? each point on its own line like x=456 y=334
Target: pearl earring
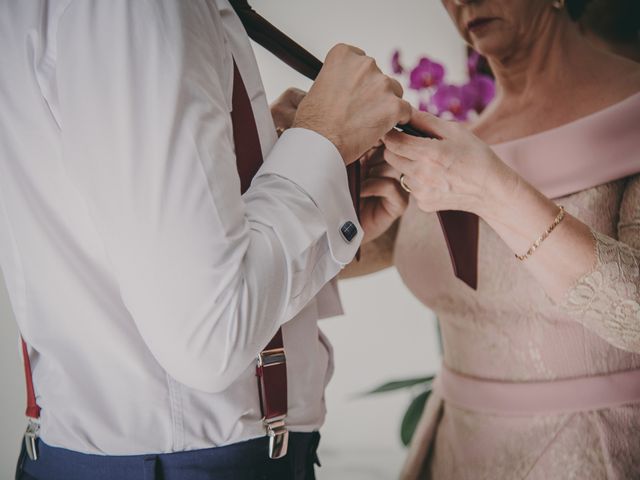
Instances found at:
x=558 y=4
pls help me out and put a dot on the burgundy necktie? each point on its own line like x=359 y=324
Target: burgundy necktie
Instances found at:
x=460 y=228
x=265 y=34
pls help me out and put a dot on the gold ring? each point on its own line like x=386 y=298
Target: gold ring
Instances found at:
x=404 y=186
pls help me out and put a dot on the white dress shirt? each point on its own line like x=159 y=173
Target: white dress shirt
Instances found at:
x=142 y=281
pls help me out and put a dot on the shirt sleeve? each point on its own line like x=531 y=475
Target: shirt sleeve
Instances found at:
x=607 y=299
x=207 y=275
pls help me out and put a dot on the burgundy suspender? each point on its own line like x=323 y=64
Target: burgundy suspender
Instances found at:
x=245 y=133
x=33 y=410
x=272 y=387
x=272 y=368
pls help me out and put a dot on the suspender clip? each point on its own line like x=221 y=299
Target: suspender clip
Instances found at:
x=30 y=438
x=278 y=437
x=272 y=386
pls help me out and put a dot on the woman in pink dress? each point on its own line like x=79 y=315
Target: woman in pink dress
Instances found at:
x=541 y=373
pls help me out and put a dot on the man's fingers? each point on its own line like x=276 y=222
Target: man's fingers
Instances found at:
x=356 y=50
x=405 y=111
x=343 y=48
x=396 y=87
x=357 y=103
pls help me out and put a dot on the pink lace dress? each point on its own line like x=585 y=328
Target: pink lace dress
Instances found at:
x=509 y=330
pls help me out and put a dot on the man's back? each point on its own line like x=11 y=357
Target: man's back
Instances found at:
x=144 y=281
x=100 y=386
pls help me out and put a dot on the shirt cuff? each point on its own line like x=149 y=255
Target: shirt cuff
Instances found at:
x=314 y=164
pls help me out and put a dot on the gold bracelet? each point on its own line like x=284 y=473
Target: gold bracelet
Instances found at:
x=544 y=236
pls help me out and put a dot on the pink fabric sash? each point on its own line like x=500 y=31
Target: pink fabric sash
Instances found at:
x=587 y=152
x=535 y=398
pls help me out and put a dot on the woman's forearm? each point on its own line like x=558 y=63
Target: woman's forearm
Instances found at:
x=520 y=214
x=592 y=277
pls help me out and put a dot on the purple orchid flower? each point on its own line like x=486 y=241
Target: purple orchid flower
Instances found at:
x=444 y=99
x=479 y=92
x=426 y=74
x=396 y=66
x=452 y=99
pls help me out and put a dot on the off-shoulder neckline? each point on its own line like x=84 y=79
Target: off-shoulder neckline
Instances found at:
x=622 y=104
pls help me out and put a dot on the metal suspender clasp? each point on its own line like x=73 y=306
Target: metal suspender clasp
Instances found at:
x=272 y=384
x=278 y=437
x=272 y=357
x=30 y=438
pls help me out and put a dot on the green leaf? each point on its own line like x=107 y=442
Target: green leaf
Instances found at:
x=399 y=384
x=412 y=416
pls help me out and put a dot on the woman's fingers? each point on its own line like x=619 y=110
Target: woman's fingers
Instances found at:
x=381 y=187
x=430 y=124
x=283 y=109
x=389 y=190
x=371 y=157
x=400 y=163
x=413 y=147
x=409 y=146
x=418 y=176
x=295 y=96
x=384 y=170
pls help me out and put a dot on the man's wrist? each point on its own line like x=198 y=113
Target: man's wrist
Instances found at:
x=311 y=162
x=333 y=138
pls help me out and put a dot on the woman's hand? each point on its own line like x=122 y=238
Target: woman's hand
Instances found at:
x=383 y=199
x=454 y=171
x=457 y=171
x=283 y=109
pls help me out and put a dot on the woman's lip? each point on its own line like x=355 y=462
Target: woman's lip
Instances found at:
x=478 y=23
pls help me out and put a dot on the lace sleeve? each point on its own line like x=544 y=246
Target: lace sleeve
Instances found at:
x=607 y=300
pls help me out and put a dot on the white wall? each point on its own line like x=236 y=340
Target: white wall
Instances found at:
x=386 y=333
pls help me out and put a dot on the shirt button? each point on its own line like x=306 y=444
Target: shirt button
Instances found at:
x=349 y=231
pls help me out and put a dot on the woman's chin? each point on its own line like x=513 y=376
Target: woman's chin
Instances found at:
x=491 y=45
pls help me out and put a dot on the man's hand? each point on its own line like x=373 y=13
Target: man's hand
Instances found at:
x=383 y=199
x=283 y=109
x=352 y=103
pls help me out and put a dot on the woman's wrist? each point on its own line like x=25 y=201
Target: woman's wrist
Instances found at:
x=499 y=195
x=518 y=212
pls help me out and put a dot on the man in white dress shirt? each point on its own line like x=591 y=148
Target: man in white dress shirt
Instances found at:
x=142 y=281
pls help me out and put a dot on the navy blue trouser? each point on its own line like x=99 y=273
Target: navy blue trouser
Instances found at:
x=241 y=461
